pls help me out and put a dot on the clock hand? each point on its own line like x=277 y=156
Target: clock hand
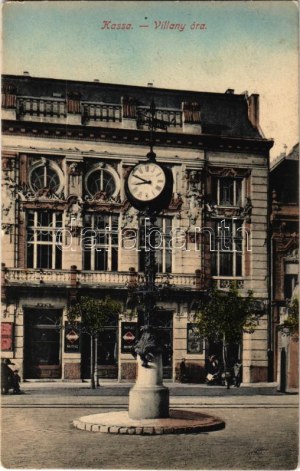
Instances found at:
x=143 y=183
x=140 y=178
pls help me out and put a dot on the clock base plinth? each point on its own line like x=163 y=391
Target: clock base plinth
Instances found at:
x=149 y=398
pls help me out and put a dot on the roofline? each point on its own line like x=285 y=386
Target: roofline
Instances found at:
x=138 y=87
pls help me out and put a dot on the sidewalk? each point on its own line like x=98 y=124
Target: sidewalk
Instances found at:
x=115 y=388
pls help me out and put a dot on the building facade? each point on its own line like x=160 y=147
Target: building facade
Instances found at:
x=284 y=186
x=68 y=228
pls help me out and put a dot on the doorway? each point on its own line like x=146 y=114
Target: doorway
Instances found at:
x=42 y=343
x=107 y=357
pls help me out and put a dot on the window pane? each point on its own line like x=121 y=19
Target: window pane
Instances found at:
x=214 y=191
x=214 y=269
x=158 y=257
x=44 y=235
x=44 y=256
x=101 y=260
x=226 y=191
x=37 y=179
x=168 y=261
x=52 y=179
x=58 y=254
x=87 y=259
x=30 y=256
x=226 y=259
x=45 y=218
x=30 y=218
x=238 y=270
x=58 y=219
x=101 y=180
x=238 y=184
x=114 y=259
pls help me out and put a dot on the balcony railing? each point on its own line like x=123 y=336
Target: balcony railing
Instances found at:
x=225 y=283
x=101 y=112
x=41 y=107
x=19 y=276
x=171 y=117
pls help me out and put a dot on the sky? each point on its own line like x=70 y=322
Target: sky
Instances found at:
x=243 y=45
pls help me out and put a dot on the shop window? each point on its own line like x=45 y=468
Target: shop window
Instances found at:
x=227 y=191
x=43 y=239
x=101 y=242
x=227 y=250
x=163 y=244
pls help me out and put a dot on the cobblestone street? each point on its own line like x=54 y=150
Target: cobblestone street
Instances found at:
x=37 y=432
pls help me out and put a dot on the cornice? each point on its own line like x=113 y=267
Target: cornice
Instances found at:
x=135 y=137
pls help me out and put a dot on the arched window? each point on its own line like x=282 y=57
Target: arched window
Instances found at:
x=101 y=180
x=44 y=176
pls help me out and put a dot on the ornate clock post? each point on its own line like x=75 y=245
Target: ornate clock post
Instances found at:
x=149 y=188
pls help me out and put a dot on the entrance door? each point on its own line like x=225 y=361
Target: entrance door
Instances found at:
x=42 y=344
x=107 y=357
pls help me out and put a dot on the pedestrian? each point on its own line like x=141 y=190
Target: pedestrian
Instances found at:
x=213 y=370
x=237 y=373
x=16 y=382
x=6 y=375
x=182 y=372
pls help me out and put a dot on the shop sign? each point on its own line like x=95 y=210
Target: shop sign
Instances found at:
x=128 y=336
x=194 y=339
x=72 y=338
x=6 y=336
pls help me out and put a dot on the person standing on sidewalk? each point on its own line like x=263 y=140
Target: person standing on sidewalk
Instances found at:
x=6 y=375
x=16 y=382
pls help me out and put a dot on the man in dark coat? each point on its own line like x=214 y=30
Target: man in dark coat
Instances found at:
x=6 y=375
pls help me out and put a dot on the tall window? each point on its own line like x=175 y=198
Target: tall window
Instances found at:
x=163 y=245
x=43 y=239
x=101 y=242
x=227 y=191
x=227 y=250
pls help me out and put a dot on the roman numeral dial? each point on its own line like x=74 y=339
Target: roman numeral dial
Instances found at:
x=146 y=181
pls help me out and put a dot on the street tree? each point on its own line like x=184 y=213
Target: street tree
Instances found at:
x=290 y=325
x=224 y=316
x=90 y=316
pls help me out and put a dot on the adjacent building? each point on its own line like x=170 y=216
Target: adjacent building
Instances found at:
x=67 y=147
x=284 y=186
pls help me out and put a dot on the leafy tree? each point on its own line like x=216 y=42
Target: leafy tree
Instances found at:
x=91 y=316
x=224 y=316
x=290 y=325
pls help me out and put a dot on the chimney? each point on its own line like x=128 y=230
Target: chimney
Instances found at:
x=253 y=109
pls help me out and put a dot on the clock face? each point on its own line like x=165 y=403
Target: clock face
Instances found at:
x=146 y=181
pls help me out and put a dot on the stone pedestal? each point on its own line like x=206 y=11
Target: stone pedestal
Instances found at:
x=149 y=398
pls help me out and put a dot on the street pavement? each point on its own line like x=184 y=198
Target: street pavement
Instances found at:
x=37 y=432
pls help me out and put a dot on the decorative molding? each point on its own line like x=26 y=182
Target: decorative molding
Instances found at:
x=229 y=172
x=214 y=211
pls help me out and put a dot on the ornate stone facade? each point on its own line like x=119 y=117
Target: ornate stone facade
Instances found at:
x=69 y=229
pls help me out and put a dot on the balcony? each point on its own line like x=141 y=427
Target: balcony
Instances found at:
x=76 y=279
x=40 y=107
x=100 y=112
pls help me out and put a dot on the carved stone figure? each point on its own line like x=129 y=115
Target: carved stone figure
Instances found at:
x=74 y=213
x=130 y=218
x=147 y=347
